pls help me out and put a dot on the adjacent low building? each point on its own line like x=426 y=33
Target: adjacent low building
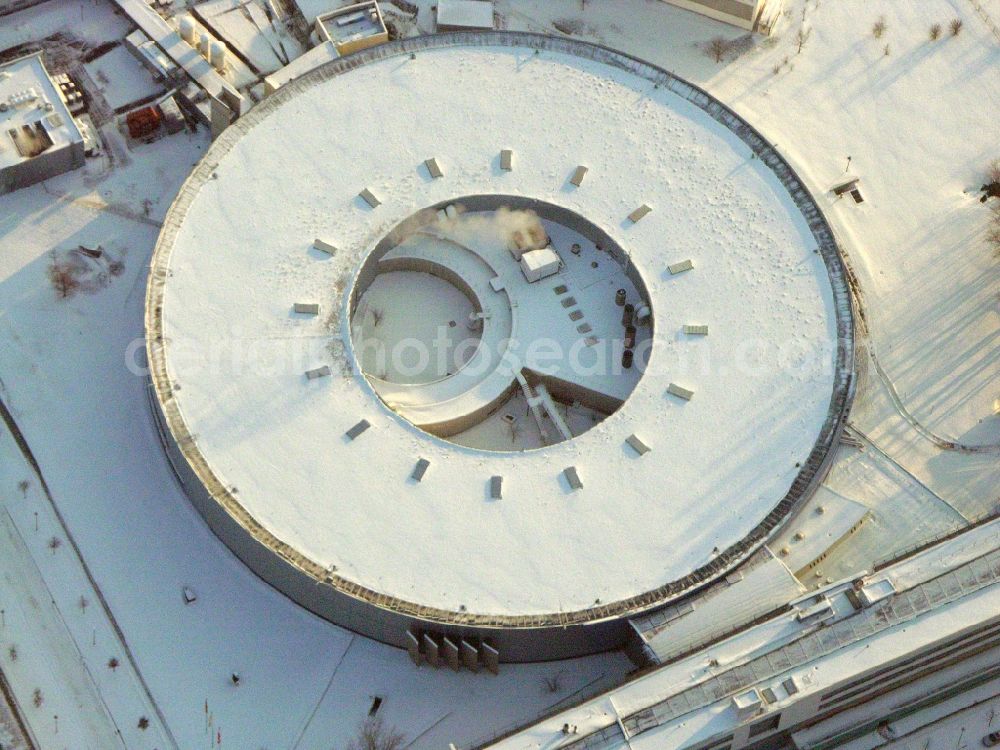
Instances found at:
x=859 y=664
x=753 y=15
x=39 y=137
x=353 y=28
x=464 y=15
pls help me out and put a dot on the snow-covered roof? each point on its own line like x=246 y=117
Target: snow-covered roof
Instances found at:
x=754 y=590
x=237 y=252
x=351 y=23
x=834 y=517
x=321 y=53
x=465 y=14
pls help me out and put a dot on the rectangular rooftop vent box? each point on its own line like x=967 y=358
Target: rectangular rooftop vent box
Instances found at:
x=538 y=264
x=816 y=612
x=748 y=704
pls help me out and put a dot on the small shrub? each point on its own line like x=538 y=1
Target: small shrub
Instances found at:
x=64 y=279
x=935 y=32
x=37 y=698
x=802 y=37
x=12 y=653
x=54 y=544
x=879 y=28
x=568 y=26
x=23 y=486
x=993 y=237
x=143 y=723
x=717 y=48
x=993 y=232
x=373 y=734
x=553 y=684
x=955 y=26
x=993 y=171
x=113 y=663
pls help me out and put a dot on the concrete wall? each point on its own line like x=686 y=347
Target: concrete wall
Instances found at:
x=346 y=48
x=51 y=163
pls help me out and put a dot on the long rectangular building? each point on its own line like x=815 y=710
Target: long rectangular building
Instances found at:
x=747 y=14
x=845 y=666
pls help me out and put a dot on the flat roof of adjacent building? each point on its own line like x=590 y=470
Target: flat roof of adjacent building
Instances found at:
x=318 y=55
x=28 y=97
x=465 y=14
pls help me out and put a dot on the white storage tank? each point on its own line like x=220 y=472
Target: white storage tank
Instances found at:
x=188 y=29
x=217 y=55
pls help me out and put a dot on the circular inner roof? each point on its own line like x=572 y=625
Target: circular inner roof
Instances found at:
x=727 y=417
x=501 y=328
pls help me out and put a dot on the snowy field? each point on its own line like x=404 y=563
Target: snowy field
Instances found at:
x=919 y=124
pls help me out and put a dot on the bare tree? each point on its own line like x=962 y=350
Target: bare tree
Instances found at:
x=993 y=231
x=63 y=277
x=879 y=28
x=955 y=26
x=802 y=37
x=373 y=734
x=54 y=544
x=935 y=32
x=553 y=684
x=718 y=47
x=993 y=235
x=993 y=171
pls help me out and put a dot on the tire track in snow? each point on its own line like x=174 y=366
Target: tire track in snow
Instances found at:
x=865 y=331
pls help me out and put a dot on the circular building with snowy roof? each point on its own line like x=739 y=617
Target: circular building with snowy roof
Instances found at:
x=480 y=344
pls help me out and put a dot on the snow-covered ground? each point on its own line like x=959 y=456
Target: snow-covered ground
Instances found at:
x=919 y=125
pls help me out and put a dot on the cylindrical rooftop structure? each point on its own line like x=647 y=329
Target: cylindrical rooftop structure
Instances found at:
x=385 y=339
